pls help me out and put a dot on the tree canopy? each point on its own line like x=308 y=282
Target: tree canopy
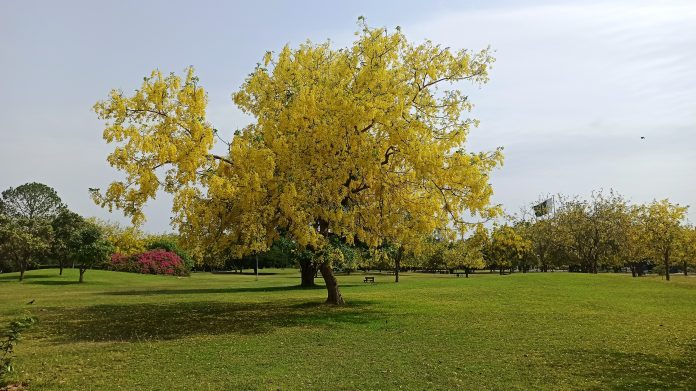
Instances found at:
x=366 y=143
x=31 y=201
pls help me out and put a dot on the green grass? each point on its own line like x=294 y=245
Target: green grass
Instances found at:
x=550 y=331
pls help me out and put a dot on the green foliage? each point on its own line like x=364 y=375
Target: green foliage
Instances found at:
x=26 y=234
x=66 y=225
x=89 y=247
x=24 y=241
x=8 y=343
x=31 y=201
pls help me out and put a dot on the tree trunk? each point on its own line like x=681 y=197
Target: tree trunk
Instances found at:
x=60 y=265
x=334 y=294
x=397 y=263
x=686 y=267
x=397 y=266
x=21 y=274
x=307 y=272
x=466 y=272
x=633 y=270
x=501 y=271
x=82 y=275
x=666 y=268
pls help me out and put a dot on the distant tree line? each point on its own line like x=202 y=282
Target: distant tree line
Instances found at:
x=36 y=226
x=602 y=233
x=38 y=230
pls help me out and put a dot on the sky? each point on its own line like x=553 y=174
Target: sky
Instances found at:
x=574 y=88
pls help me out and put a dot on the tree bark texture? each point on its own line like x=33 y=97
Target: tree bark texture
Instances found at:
x=334 y=294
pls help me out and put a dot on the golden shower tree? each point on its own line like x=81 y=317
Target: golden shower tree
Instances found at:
x=364 y=143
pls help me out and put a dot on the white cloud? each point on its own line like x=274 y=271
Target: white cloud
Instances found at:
x=573 y=89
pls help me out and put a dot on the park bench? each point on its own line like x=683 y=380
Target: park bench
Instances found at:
x=369 y=279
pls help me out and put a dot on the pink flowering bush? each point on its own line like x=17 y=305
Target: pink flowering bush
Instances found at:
x=150 y=262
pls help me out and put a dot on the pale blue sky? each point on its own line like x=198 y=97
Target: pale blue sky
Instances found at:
x=575 y=86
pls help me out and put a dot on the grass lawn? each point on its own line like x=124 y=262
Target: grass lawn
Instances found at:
x=550 y=331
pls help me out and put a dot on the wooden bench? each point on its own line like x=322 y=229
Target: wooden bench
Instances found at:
x=369 y=279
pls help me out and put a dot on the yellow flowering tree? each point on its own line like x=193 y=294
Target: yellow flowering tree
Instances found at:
x=124 y=240
x=506 y=247
x=365 y=143
x=467 y=253
x=661 y=230
x=686 y=251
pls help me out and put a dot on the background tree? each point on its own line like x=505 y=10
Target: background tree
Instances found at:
x=661 y=228
x=31 y=201
x=467 y=253
x=686 y=251
x=24 y=241
x=632 y=249
x=125 y=240
x=65 y=226
x=348 y=142
x=542 y=234
x=89 y=248
x=505 y=248
x=591 y=230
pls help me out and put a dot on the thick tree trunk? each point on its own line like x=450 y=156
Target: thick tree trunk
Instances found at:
x=501 y=271
x=633 y=270
x=307 y=272
x=334 y=294
x=21 y=274
x=82 y=275
x=686 y=269
x=666 y=268
x=466 y=272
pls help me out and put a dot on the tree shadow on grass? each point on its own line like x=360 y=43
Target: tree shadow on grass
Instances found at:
x=622 y=371
x=137 y=322
x=247 y=273
x=53 y=282
x=14 y=277
x=215 y=290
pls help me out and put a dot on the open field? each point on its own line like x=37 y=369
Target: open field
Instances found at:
x=212 y=332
